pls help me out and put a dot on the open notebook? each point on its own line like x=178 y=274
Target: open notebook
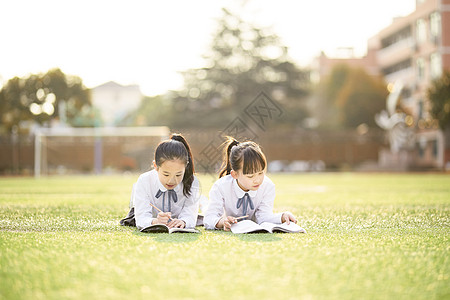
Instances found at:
x=161 y=228
x=248 y=226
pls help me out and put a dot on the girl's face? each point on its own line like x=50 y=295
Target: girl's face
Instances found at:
x=170 y=173
x=248 y=182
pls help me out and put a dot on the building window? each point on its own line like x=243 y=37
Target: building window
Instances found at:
x=435 y=26
x=421 y=151
x=420 y=66
x=403 y=65
x=435 y=65
x=421 y=31
x=399 y=36
x=420 y=112
x=435 y=148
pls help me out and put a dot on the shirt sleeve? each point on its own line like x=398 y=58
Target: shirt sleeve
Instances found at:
x=264 y=212
x=141 y=200
x=215 y=209
x=189 y=212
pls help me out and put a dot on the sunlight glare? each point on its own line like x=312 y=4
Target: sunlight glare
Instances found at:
x=51 y=98
x=40 y=94
x=390 y=87
x=48 y=108
x=35 y=109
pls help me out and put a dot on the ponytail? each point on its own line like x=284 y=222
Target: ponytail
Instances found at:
x=177 y=148
x=246 y=156
x=226 y=165
x=188 y=177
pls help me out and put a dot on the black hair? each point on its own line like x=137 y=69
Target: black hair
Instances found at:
x=177 y=148
x=246 y=156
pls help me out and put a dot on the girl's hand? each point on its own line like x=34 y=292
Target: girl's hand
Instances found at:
x=163 y=218
x=288 y=217
x=227 y=222
x=176 y=223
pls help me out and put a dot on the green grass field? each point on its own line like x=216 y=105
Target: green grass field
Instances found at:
x=370 y=236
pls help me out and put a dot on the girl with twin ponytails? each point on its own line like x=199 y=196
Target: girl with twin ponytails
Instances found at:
x=243 y=189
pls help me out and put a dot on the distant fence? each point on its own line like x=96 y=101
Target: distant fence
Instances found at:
x=17 y=154
x=333 y=150
x=77 y=154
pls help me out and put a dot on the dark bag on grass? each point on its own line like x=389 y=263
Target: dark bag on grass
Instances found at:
x=129 y=219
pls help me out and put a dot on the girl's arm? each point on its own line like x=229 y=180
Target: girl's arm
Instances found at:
x=141 y=200
x=264 y=211
x=189 y=212
x=215 y=209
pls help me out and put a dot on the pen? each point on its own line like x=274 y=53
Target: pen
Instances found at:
x=170 y=220
x=241 y=217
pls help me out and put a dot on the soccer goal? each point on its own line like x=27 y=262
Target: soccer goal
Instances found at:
x=95 y=150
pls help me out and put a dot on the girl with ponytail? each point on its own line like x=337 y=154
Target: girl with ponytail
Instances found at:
x=168 y=194
x=243 y=189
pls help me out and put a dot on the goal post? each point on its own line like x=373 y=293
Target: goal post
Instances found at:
x=92 y=136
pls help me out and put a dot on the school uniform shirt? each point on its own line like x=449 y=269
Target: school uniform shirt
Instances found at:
x=144 y=192
x=224 y=195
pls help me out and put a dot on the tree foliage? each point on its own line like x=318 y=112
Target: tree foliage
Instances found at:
x=243 y=60
x=152 y=111
x=439 y=96
x=350 y=97
x=40 y=97
x=360 y=99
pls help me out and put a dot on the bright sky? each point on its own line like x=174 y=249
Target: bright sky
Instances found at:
x=148 y=42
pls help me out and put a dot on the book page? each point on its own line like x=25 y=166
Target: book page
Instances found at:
x=161 y=228
x=183 y=230
x=292 y=227
x=247 y=226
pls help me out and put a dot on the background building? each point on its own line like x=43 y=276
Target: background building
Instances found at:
x=115 y=101
x=414 y=50
x=323 y=64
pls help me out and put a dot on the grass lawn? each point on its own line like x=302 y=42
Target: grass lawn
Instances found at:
x=370 y=236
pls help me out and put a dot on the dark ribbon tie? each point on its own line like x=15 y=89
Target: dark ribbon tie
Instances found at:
x=244 y=202
x=172 y=195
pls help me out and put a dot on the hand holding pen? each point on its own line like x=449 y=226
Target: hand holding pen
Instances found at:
x=162 y=216
x=165 y=218
x=228 y=221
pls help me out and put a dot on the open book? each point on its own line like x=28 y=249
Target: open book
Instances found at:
x=248 y=226
x=161 y=228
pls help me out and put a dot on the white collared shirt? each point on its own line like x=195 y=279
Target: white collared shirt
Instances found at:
x=144 y=192
x=223 y=199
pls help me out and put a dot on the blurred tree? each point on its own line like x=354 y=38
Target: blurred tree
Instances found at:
x=242 y=61
x=350 y=97
x=325 y=108
x=42 y=98
x=360 y=99
x=336 y=81
x=439 y=96
x=152 y=111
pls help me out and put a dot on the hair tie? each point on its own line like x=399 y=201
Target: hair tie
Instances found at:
x=233 y=144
